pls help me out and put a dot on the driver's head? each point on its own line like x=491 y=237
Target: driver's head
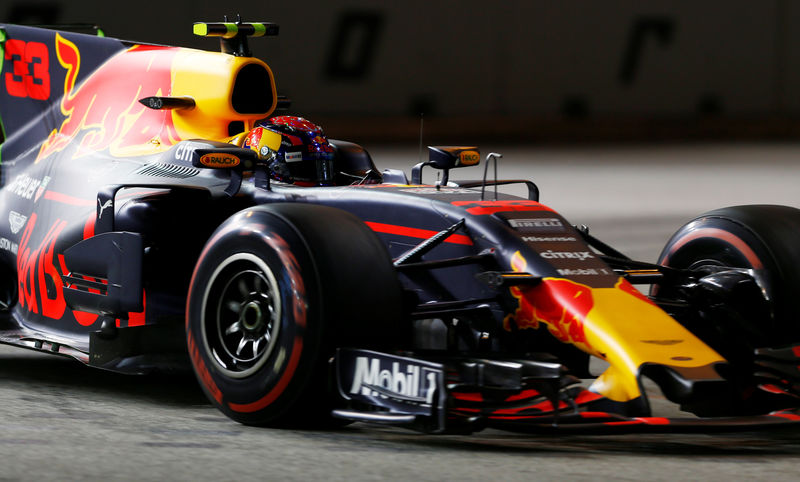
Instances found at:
x=305 y=157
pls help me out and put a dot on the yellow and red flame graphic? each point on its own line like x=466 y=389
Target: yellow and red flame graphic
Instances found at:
x=103 y=112
x=559 y=303
x=618 y=324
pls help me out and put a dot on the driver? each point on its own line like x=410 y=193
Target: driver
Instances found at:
x=299 y=151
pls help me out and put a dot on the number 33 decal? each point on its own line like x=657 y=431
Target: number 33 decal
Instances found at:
x=30 y=76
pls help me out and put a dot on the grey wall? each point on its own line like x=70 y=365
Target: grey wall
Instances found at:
x=579 y=58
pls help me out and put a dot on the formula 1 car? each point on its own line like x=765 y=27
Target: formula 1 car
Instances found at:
x=159 y=215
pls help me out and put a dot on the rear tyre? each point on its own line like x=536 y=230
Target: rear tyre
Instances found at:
x=758 y=237
x=276 y=289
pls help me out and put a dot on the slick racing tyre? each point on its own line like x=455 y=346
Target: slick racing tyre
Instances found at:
x=758 y=237
x=275 y=290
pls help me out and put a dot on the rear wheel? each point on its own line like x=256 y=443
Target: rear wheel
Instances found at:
x=276 y=290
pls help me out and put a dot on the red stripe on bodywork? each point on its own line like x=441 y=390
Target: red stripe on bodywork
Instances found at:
x=469 y=397
x=523 y=395
x=67 y=199
x=786 y=415
x=135 y=192
x=491 y=207
x=545 y=406
x=772 y=389
x=654 y=420
x=76 y=201
x=586 y=397
x=595 y=415
x=416 y=233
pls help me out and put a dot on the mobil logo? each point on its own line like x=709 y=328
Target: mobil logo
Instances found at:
x=409 y=382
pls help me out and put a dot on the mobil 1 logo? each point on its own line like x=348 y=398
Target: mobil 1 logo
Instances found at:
x=399 y=384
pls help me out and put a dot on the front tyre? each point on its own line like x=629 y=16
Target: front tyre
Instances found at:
x=762 y=238
x=275 y=290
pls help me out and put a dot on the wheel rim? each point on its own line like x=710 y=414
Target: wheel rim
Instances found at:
x=240 y=315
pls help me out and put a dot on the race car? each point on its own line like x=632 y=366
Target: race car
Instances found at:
x=161 y=215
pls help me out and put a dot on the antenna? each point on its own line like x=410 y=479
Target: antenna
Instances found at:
x=493 y=156
x=421 y=118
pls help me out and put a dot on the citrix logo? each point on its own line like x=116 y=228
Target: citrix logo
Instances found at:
x=580 y=256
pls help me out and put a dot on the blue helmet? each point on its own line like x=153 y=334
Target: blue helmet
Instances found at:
x=305 y=156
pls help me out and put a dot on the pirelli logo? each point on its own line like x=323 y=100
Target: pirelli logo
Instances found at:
x=553 y=225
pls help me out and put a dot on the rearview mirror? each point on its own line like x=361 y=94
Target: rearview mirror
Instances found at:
x=450 y=157
x=446 y=158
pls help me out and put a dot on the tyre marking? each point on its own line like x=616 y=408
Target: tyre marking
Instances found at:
x=208 y=245
x=202 y=370
x=717 y=233
x=289 y=261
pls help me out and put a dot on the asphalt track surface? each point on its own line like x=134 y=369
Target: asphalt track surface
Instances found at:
x=60 y=420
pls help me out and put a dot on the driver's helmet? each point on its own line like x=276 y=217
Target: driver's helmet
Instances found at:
x=305 y=157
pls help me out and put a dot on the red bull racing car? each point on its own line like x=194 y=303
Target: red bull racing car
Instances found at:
x=157 y=213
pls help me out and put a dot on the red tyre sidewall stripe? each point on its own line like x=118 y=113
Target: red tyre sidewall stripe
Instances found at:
x=202 y=371
x=281 y=247
x=279 y=387
x=290 y=263
x=716 y=233
x=200 y=367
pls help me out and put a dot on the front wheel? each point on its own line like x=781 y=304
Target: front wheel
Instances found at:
x=275 y=290
x=759 y=238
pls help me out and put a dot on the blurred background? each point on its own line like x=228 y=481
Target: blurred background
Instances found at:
x=513 y=70
x=631 y=116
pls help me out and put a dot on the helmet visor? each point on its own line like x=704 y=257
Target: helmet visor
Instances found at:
x=314 y=168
